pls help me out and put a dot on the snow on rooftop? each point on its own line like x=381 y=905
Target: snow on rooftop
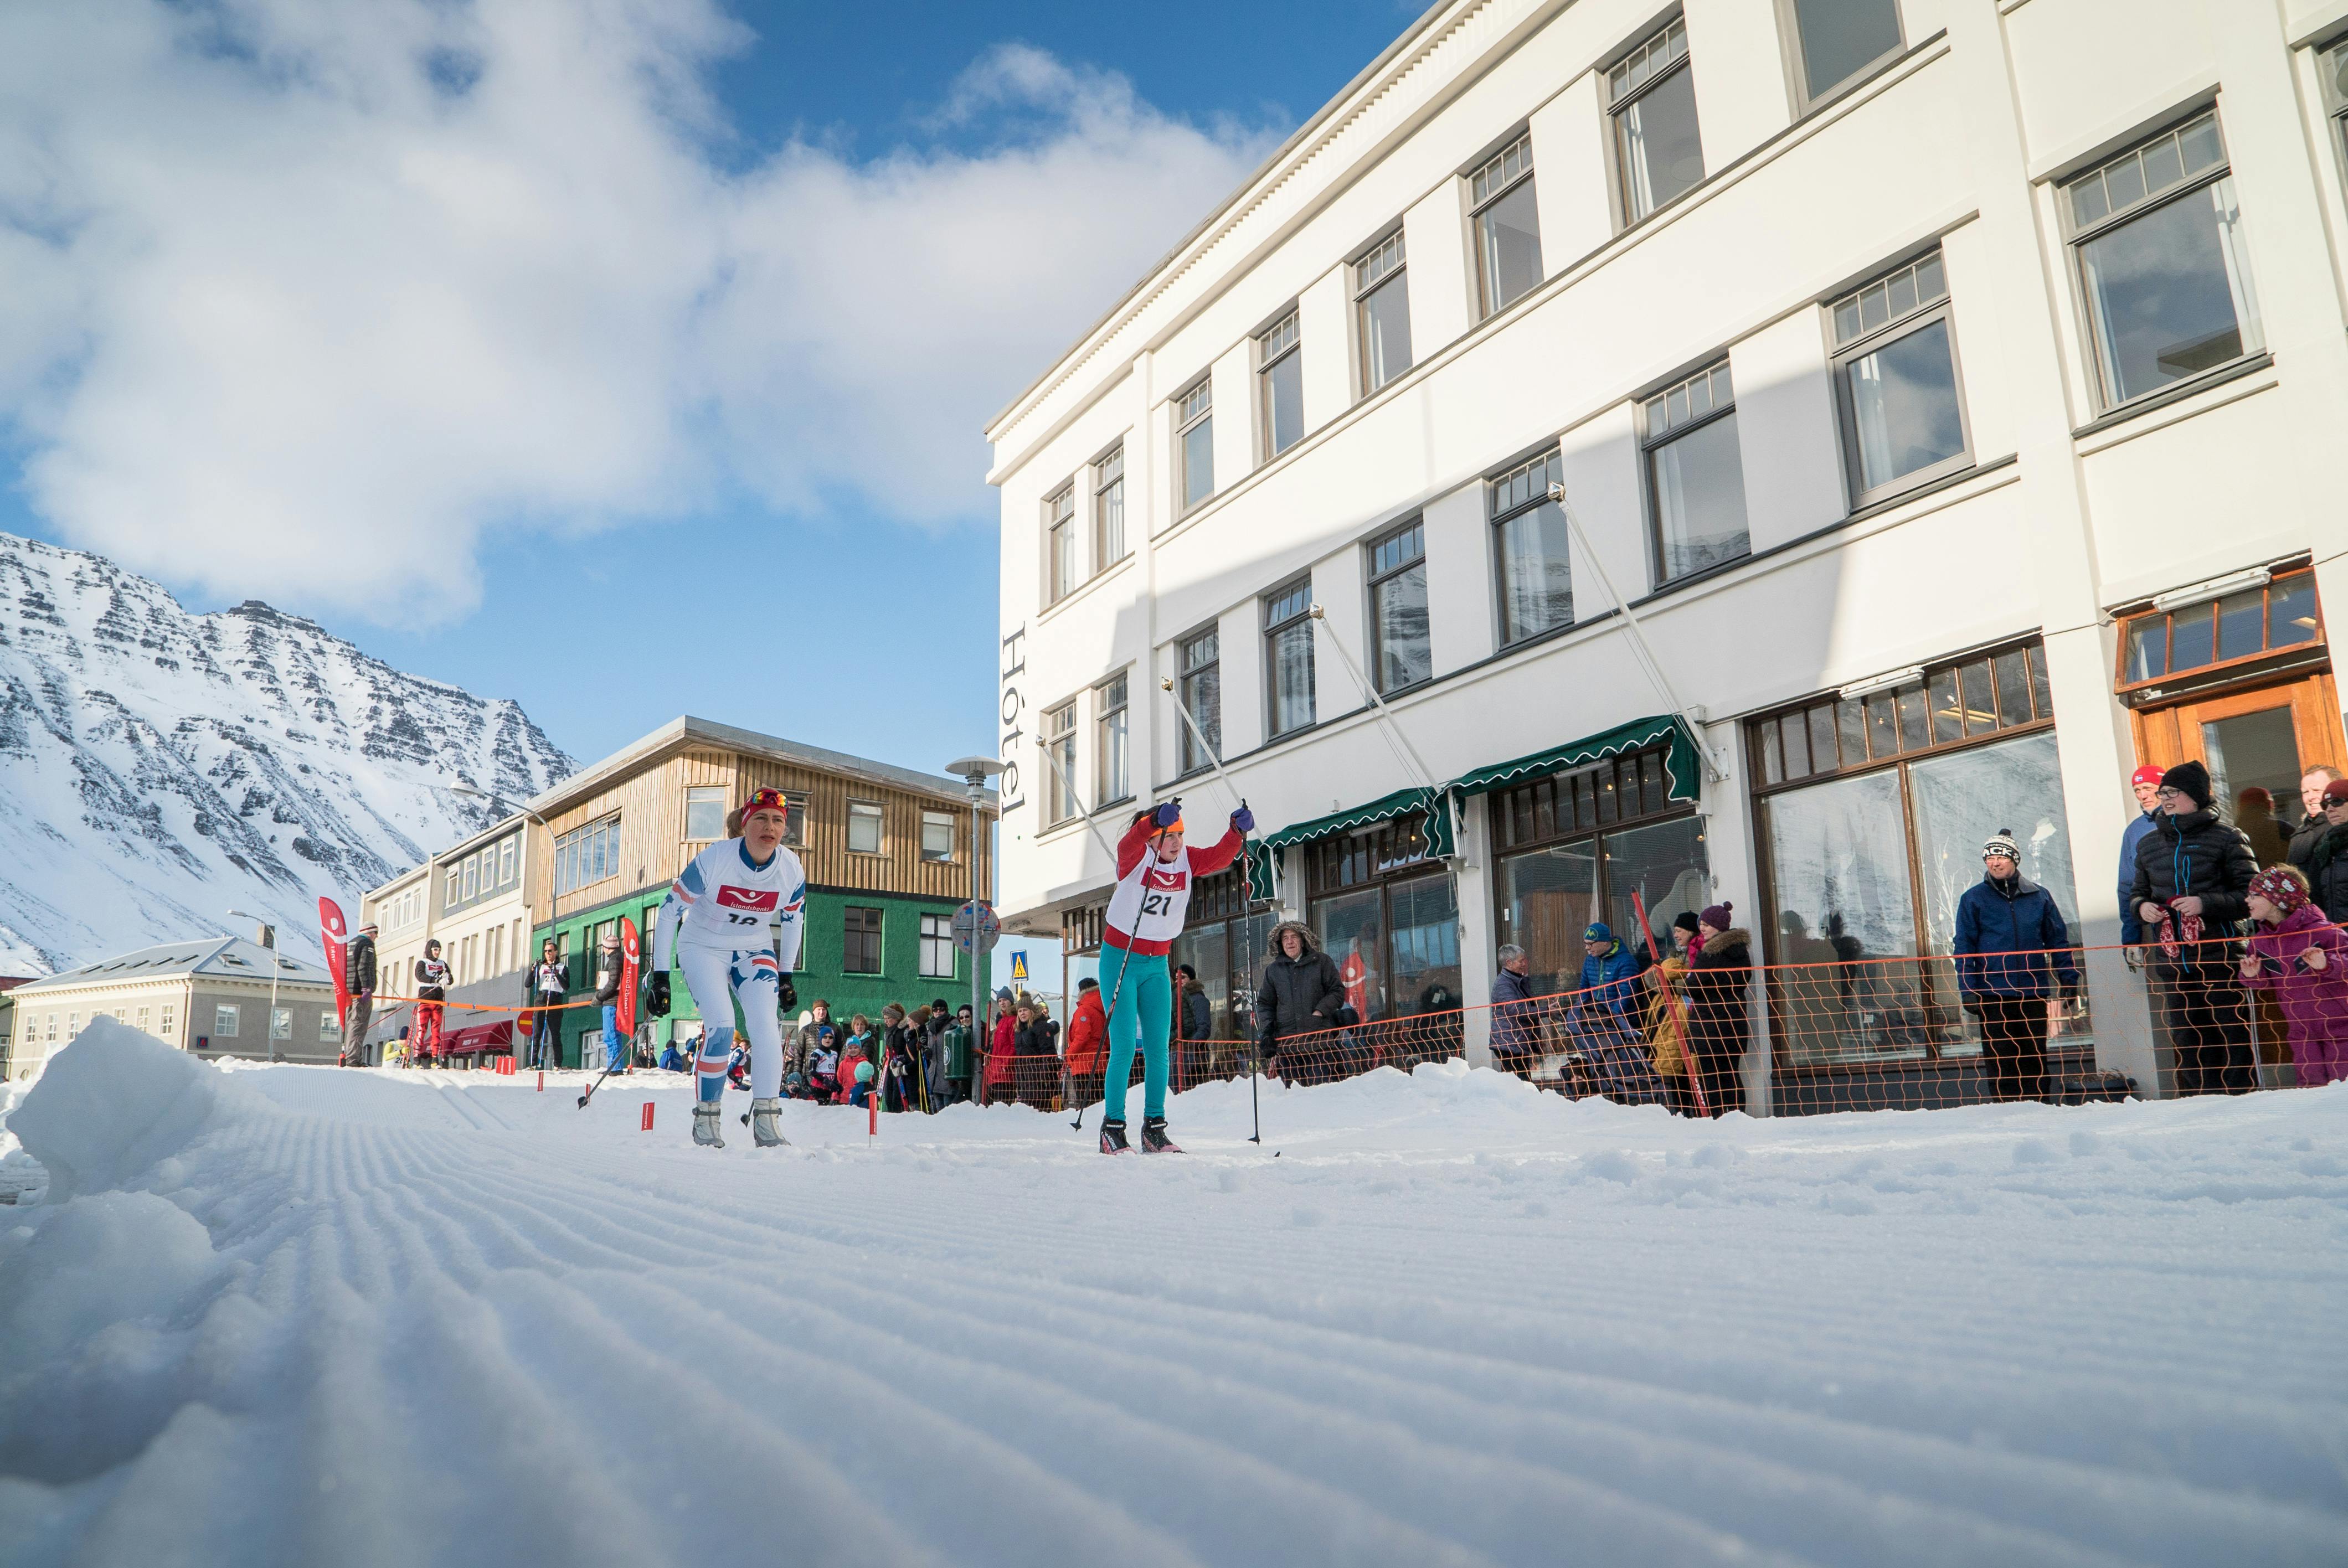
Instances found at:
x=304 y=1313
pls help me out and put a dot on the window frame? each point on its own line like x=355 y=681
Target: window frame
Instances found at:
x=1116 y=713
x=1808 y=102
x=1552 y=459
x=1841 y=356
x=2214 y=669
x=2333 y=85
x=1374 y=577
x=2077 y=237
x=930 y=817
x=720 y=792
x=1193 y=406
x=1619 y=100
x=876 y=814
x=1272 y=631
x=1186 y=674
x=1272 y=351
x=1393 y=275
x=1714 y=375
x=230 y=1014
x=1108 y=482
x=1498 y=191
x=935 y=941
x=854 y=933
x=1050 y=731
x=1059 y=537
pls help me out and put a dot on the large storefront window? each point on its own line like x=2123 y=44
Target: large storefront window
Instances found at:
x=1866 y=867
x=1576 y=846
x=1226 y=945
x=1389 y=916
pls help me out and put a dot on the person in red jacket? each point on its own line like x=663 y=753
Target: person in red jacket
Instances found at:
x=1087 y=1044
x=1002 y=1046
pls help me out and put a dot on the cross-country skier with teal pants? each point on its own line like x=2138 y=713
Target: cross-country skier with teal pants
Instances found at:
x=1154 y=874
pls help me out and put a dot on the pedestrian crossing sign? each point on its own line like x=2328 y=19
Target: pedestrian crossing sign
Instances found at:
x=1018 y=965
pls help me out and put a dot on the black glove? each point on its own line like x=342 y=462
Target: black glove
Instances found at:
x=656 y=1002
x=1167 y=815
x=787 y=995
x=1243 y=821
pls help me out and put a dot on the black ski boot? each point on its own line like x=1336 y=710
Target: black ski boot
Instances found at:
x=1113 y=1138
x=1154 y=1140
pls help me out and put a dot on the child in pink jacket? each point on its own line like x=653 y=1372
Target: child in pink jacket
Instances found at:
x=2302 y=958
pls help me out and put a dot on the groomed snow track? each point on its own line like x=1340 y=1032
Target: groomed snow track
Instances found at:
x=297 y=1315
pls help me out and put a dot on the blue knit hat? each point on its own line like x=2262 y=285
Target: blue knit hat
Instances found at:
x=1597 y=934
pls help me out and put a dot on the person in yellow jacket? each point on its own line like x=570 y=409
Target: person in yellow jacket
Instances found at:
x=1666 y=1015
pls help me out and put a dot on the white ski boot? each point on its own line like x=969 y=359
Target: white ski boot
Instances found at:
x=705 y=1125
x=766 y=1124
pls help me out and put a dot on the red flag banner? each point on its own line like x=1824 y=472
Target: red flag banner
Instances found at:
x=331 y=935
x=628 y=953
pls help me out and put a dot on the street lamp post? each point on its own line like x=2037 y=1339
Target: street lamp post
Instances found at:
x=268 y=1030
x=974 y=772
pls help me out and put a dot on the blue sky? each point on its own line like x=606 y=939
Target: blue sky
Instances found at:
x=723 y=571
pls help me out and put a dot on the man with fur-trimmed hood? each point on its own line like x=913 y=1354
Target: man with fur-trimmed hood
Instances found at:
x=1300 y=993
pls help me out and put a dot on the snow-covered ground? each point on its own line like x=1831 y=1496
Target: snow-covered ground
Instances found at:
x=302 y=1316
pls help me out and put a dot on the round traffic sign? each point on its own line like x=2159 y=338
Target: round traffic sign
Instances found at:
x=975 y=928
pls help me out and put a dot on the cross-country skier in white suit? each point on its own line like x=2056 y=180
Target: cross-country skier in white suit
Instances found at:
x=717 y=918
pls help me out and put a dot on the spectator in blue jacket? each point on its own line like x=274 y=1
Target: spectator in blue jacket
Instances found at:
x=2145 y=783
x=1607 y=1001
x=2014 y=951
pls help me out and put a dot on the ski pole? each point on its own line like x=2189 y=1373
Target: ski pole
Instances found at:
x=1255 y=1105
x=1110 y=850
x=1199 y=736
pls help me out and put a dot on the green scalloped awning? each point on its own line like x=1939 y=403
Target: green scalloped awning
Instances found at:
x=1435 y=804
x=1680 y=763
x=1263 y=873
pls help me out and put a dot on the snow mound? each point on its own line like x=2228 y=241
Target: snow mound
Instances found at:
x=111 y=1105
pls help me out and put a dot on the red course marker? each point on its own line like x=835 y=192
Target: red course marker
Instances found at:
x=648 y=1115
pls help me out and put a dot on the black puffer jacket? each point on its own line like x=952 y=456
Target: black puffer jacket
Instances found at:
x=2199 y=854
x=2326 y=866
x=358 y=966
x=1299 y=995
x=1719 y=988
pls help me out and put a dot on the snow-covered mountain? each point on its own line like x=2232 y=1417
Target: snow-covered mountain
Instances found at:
x=157 y=766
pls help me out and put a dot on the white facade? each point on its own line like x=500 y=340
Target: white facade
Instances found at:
x=471 y=898
x=2068 y=487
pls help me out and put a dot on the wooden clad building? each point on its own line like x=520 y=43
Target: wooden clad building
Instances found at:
x=888 y=851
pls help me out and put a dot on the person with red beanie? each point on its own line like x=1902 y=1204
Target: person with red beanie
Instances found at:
x=2145 y=783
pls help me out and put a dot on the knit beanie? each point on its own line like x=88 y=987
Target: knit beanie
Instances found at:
x=1598 y=934
x=2145 y=774
x=1719 y=917
x=1686 y=921
x=2002 y=843
x=2189 y=778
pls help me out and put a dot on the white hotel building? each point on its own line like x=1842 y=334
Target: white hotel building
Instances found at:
x=1952 y=395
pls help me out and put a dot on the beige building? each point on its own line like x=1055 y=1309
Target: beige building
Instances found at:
x=470 y=897
x=209 y=995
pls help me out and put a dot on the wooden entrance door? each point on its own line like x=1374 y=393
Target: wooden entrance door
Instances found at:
x=2266 y=737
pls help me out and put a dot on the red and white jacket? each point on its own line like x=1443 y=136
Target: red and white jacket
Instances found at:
x=1146 y=911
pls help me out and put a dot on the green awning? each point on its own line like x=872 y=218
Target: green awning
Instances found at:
x=1680 y=763
x=1385 y=808
x=1263 y=873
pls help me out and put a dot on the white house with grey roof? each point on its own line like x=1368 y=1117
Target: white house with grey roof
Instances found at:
x=209 y=995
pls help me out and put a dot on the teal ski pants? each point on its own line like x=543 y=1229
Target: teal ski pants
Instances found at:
x=1144 y=988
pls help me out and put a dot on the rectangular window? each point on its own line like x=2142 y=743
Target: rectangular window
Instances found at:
x=1060 y=542
x=52 y=1030
x=1110 y=780
x=224 y=1021
x=1507 y=225
x=1837 y=40
x=167 y=1031
x=1279 y=385
x=2244 y=625
x=73 y=1026
x=2162 y=267
x=1202 y=688
x=1194 y=440
x=142 y=1020
x=937 y=948
x=1895 y=371
x=509 y=861
x=1382 y=312
x=1695 y=474
x=585 y=856
x=1059 y=741
x=937 y=836
x=860 y=941
x=472 y=877
x=1536 y=571
x=1399 y=652
x=1108 y=510
x=330 y=1028
x=281 y=1023
x=863 y=827
x=2331 y=68
x=452 y=896
x=1288 y=656
x=704 y=813
x=1651 y=94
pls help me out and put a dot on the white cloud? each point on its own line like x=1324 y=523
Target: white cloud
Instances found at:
x=303 y=298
